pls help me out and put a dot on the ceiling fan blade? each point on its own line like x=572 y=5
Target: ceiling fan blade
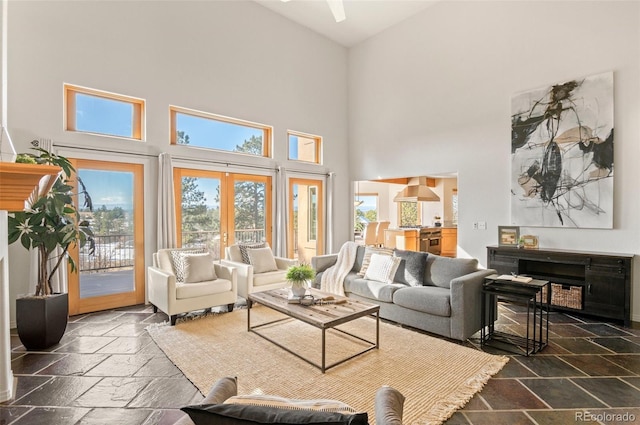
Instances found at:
x=337 y=8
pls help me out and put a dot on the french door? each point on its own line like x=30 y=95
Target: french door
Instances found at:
x=306 y=226
x=112 y=274
x=216 y=209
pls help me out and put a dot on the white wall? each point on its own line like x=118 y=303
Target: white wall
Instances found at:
x=237 y=59
x=432 y=95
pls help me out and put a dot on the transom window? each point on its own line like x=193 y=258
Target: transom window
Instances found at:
x=304 y=147
x=99 y=112
x=204 y=130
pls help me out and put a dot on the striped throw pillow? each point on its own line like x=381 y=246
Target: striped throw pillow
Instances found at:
x=368 y=252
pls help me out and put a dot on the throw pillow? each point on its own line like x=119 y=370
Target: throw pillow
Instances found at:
x=382 y=268
x=198 y=268
x=177 y=258
x=240 y=414
x=245 y=247
x=415 y=264
x=320 y=405
x=262 y=260
x=368 y=252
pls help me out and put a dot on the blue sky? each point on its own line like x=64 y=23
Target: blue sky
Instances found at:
x=110 y=188
x=107 y=116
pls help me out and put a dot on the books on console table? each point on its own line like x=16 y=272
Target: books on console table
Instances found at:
x=515 y=278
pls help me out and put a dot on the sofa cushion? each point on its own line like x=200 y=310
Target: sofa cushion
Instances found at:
x=198 y=268
x=320 y=405
x=427 y=299
x=368 y=252
x=239 y=414
x=268 y=278
x=441 y=270
x=357 y=265
x=200 y=289
x=371 y=289
x=415 y=263
x=262 y=260
x=382 y=268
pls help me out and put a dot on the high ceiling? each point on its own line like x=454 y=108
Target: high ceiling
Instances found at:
x=364 y=18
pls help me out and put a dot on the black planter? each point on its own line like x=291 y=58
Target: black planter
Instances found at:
x=41 y=321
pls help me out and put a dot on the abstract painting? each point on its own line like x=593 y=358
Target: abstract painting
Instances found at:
x=562 y=155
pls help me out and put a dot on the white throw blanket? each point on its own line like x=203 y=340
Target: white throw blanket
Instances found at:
x=332 y=279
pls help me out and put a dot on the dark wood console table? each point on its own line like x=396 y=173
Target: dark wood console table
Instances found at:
x=593 y=283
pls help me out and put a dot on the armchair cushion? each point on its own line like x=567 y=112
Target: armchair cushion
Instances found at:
x=267 y=278
x=262 y=260
x=177 y=260
x=201 y=289
x=198 y=268
x=244 y=250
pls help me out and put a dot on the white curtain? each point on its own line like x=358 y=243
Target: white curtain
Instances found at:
x=59 y=281
x=166 y=235
x=329 y=214
x=281 y=213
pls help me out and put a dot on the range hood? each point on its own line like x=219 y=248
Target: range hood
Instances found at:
x=417 y=191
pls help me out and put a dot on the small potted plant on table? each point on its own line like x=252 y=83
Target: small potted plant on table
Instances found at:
x=299 y=276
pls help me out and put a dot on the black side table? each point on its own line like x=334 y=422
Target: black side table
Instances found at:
x=531 y=294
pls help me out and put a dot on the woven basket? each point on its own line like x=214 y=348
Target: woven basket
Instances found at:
x=564 y=296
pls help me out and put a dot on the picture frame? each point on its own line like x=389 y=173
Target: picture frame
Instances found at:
x=529 y=241
x=508 y=236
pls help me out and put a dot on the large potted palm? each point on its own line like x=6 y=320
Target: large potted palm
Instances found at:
x=51 y=225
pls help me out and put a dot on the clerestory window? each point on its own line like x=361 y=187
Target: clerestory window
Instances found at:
x=205 y=130
x=100 y=112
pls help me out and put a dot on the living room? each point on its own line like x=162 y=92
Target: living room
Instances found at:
x=428 y=96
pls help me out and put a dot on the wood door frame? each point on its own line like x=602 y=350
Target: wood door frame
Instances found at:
x=320 y=230
x=178 y=174
x=227 y=201
x=78 y=306
x=232 y=178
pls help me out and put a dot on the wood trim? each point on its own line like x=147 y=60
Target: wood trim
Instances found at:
x=70 y=91
x=18 y=181
x=317 y=145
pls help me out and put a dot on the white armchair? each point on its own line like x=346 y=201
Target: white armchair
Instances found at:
x=252 y=280
x=194 y=284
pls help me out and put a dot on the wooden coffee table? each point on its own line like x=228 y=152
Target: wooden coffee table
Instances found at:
x=321 y=316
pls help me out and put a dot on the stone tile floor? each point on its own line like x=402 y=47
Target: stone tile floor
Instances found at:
x=107 y=370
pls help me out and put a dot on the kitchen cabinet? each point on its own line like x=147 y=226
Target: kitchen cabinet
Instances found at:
x=402 y=239
x=594 y=283
x=449 y=242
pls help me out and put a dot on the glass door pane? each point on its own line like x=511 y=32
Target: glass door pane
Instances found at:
x=109 y=270
x=200 y=213
x=251 y=208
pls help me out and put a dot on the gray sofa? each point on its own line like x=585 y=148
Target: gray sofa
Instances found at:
x=436 y=294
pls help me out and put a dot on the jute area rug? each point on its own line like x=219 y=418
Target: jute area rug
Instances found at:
x=436 y=377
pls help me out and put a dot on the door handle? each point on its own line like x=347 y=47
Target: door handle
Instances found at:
x=224 y=238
